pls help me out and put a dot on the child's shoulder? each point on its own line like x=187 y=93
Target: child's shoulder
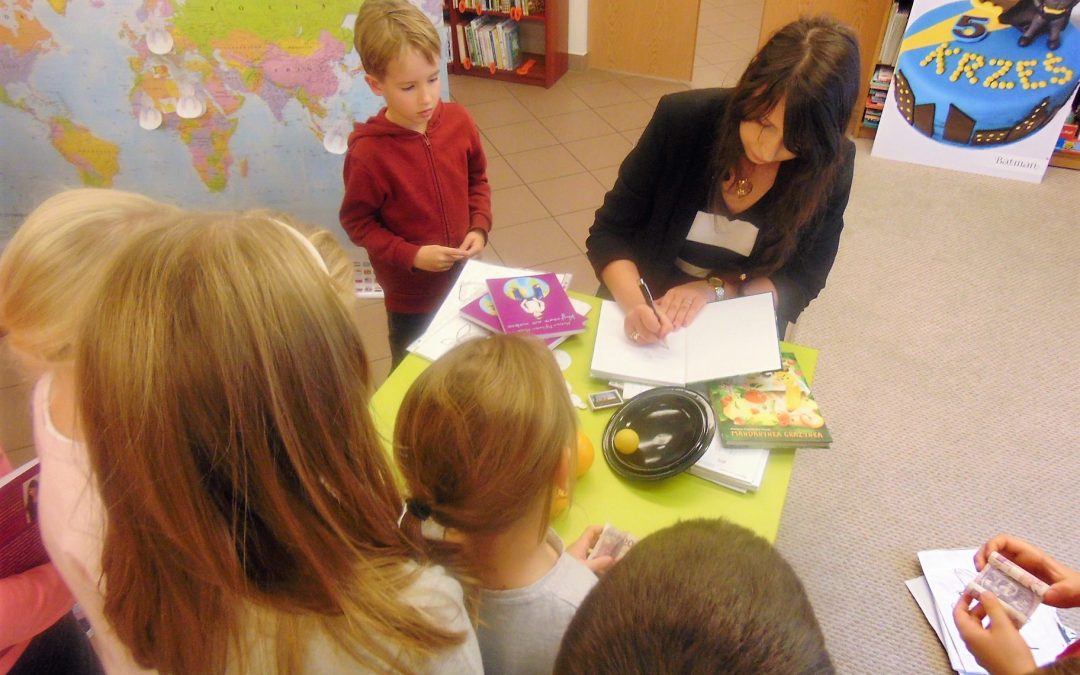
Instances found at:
x=456 y=115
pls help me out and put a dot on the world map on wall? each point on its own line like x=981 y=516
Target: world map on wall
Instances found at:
x=202 y=103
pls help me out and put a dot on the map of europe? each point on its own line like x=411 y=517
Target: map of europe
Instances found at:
x=202 y=103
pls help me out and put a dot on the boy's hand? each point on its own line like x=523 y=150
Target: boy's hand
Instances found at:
x=999 y=648
x=1064 y=582
x=473 y=243
x=434 y=258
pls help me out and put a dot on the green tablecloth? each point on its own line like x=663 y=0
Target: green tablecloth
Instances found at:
x=600 y=496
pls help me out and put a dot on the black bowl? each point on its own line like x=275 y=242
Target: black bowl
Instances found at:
x=675 y=426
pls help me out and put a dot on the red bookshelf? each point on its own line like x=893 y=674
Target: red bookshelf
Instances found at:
x=547 y=66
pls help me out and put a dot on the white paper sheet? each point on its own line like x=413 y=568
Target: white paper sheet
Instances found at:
x=946 y=573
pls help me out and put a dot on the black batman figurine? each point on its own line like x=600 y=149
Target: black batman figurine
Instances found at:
x=1034 y=16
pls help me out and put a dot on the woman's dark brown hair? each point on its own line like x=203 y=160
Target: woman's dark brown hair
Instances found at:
x=702 y=596
x=813 y=66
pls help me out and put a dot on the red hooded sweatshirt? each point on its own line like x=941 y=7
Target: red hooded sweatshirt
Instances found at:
x=404 y=190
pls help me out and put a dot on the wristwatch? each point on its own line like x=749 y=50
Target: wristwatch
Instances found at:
x=718 y=288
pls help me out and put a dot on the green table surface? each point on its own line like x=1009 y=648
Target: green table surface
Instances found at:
x=602 y=497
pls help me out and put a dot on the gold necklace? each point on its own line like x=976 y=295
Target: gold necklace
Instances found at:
x=741 y=186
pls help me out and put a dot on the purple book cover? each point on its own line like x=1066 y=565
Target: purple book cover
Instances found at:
x=482 y=311
x=535 y=304
x=21 y=547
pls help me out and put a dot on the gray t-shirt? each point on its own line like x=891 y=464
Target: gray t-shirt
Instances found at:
x=520 y=629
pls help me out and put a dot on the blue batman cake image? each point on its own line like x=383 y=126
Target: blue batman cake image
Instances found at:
x=978 y=73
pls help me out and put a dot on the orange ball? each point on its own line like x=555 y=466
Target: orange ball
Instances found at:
x=585 y=454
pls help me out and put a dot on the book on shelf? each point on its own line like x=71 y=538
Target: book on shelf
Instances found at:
x=727 y=338
x=527 y=7
x=769 y=410
x=894 y=33
x=882 y=77
x=490 y=41
x=739 y=469
x=535 y=304
x=21 y=547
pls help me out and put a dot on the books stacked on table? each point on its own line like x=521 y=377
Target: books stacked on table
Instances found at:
x=449 y=327
x=536 y=304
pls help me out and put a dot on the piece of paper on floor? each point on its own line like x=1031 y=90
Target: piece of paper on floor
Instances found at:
x=945 y=572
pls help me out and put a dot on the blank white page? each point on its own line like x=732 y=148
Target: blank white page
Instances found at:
x=733 y=337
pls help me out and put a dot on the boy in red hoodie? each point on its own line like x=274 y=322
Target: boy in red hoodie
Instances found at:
x=416 y=190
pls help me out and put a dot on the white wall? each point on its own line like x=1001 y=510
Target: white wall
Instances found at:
x=578 y=30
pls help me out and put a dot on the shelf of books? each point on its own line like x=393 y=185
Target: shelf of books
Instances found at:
x=895 y=24
x=521 y=41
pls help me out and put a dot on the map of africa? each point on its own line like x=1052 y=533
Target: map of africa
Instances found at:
x=202 y=103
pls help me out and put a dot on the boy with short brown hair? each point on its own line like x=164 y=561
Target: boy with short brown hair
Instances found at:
x=416 y=190
x=702 y=596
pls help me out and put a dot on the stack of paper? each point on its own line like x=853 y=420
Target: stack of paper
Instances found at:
x=740 y=469
x=946 y=573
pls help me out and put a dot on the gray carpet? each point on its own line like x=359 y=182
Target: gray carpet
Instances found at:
x=950 y=379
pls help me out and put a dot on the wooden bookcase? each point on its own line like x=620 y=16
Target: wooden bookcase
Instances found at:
x=869 y=18
x=549 y=65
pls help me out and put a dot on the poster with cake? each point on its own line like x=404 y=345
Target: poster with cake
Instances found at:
x=982 y=85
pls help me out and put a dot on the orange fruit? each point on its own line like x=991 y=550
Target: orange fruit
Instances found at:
x=585 y=454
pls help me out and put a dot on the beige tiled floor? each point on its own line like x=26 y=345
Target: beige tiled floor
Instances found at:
x=552 y=155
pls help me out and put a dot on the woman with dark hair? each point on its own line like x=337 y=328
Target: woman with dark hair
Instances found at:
x=738 y=191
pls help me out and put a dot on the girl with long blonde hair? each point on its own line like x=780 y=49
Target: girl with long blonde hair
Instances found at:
x=483 y=439
x=237 y=512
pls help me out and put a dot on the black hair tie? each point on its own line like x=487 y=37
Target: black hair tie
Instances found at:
x=418 y=508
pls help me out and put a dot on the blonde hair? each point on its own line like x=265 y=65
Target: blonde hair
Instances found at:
x=480 y=434
x=224 y=390
x=50 y=267
x=386 y=29
x=339 y=266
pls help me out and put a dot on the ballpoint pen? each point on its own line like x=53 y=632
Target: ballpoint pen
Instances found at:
x=652 y=305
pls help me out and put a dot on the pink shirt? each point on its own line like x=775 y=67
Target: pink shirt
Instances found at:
x=72 y=520
x=29 y=603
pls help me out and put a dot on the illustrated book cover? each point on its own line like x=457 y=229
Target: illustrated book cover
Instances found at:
x=21 y=547
x=769 y=410
x=536 y=304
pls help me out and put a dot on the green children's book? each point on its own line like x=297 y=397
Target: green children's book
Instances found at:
x=769 y=410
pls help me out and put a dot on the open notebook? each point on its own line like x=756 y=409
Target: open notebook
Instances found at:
x=728 y=338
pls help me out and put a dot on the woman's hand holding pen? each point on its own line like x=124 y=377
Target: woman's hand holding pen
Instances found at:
x=644 y=327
